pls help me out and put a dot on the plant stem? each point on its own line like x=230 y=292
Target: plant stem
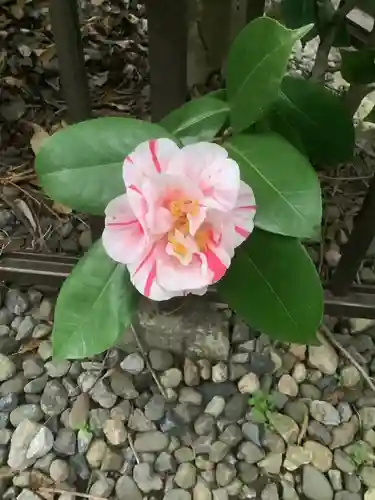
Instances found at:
x=326 y=42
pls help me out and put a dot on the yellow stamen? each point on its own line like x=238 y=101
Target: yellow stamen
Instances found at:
x=201 y=239
x=178 y=247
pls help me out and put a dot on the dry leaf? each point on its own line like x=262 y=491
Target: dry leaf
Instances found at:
x=22 y=206
x=37 y=140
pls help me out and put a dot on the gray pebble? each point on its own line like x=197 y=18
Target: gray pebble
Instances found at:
x=216 y=406
x=102 y=487
x=189 y=395
x=16 y=302
x=231 y=435
x=54 y=398
x=152 y=441
x=97 y=418
x=185 y=476
x=165 y=463
x=336 y=479
x=236 y=407
x=26 y=412
x=225 y=473
x=191 y=373
x=115 y=432
x=270 y=492
x=145 y=479
x=218 y=451
x=8 y=402
x=177 y=494
x=343 y=462
x=251 y=432
x=133 y=363
x=57 y=368
x=32 y=367
x=25 y=328
x=171 y=378
x=41 y=331
x=204 y=424
x=7 y=368
x=101 y=394
x=122 y=385
x=66 y=442
x=160 y=360
x=250 y=452
x=155 y=408
x=84 y=439
x=325 y=413
x=184 y=454
x=95 y=453
x=45 y=350
x=139 y=422
x=59 y=471
x=315 y=485
x=126 y=489
x=219 y=372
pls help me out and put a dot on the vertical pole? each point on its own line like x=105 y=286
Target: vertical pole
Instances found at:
x=167 y=32
x=359 y=242
x=67 y=35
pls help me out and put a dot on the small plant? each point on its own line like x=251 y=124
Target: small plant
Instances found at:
x=262 y=405
x=360 y=454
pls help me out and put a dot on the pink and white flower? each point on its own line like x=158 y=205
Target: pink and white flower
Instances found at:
x=184 y=212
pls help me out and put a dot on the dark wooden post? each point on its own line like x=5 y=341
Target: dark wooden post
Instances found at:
x=67 y=35
x=167 y=32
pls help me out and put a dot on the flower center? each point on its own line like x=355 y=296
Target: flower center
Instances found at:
x=179 y=238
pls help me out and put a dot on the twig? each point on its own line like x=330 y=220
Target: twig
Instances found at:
x=321 y=60
x=148 y=364
x=73 y=493
x=325 y=334
x=305 y=424
x=131 y=444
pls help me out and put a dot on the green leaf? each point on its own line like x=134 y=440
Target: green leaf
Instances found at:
x=257 y=62
x=314 y=120
x=81 y=166
x=197 y=120
x=220 y=94
x=286 y=187
x=94 y=307
x=273 y=285
x=297 y=14
x=358 y=66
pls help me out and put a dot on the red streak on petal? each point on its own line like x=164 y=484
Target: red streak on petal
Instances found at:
x=248 y=207
x=150 y=280
x=241 y=231
x=134 y=188
x=145 y=259
x=128 y=158
x=155 y=159
x=121 y=223
x=215 y=265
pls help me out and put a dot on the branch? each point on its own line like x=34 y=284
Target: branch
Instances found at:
x=357 y=92
x=326 y=42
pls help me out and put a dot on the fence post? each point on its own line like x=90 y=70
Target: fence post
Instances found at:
x=167 y=32
x=67 y=35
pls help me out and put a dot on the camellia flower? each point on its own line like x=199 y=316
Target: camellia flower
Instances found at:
x=184 y=212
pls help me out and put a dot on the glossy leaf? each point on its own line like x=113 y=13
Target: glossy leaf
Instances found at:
x=273 y=285
x=286 y=187
x=314 y=120
x=257 y=62
x=197 y=120
x=81 y=166
x=358 y=66
x=94 y=307
x=297 y=14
